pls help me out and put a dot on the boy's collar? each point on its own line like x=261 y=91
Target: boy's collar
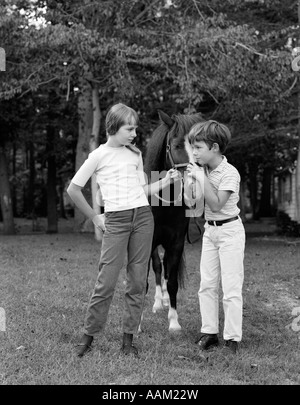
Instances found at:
x=220 y=166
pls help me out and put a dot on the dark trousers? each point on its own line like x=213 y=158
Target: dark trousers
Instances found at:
x=128 y=234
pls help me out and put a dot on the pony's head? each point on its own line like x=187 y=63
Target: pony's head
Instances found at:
x=168 y=146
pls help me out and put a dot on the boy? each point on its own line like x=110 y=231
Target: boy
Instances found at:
x=224 y=236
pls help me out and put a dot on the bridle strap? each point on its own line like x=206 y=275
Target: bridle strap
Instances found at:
x=174 y=166
x=169 y=155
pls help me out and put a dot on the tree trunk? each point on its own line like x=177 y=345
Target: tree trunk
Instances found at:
x=5 y=196
x=265 y=209
x=298 y=155
x=242 y=204
x=51 y=181
x=30 y=195
x=62 y=210
x=298 y=177
x=253 y=192
x=94 y=143
x=13 y=186
x=85 y=114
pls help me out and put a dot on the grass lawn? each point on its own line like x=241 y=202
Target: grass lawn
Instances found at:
x=46 y=282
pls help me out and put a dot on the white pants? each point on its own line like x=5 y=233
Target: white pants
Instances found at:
x=222 y=259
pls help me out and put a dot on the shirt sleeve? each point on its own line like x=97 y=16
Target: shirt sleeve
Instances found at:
x=230 y=182
x=140 y=171
x=86 y=170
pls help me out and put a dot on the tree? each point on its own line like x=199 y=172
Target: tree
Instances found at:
x=225 y=58
x=298 y=156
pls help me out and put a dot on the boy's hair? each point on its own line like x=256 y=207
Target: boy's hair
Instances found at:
x=210 y=132
x=119 y=115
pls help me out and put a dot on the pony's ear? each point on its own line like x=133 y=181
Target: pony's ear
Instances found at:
x=165 y=118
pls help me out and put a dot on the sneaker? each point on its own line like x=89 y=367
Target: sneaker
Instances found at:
x=207 y=341
x=232 y=345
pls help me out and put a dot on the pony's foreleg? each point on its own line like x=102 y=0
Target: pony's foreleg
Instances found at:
x=166 y=297
x=165 y=294
x=173 y=266
x=158 y=299
x=140 y=325
x=157 y=268
x=173 y=320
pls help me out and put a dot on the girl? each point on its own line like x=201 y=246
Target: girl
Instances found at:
x=128 y=227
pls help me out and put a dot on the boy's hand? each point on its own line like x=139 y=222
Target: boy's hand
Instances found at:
x=194 y=170
x=99 y=221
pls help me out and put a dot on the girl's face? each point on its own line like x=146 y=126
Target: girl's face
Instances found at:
x=126 y=134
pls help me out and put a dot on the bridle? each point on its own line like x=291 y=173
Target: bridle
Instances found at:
x=174 y=166
x=170 y=157
x=177 y=166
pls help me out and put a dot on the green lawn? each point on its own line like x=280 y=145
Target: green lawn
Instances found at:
x=46 y=282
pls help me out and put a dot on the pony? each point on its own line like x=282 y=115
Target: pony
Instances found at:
x=169 y=148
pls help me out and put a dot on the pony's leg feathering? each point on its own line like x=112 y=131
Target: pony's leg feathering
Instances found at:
x=158 y=300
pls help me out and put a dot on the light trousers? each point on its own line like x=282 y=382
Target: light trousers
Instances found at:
x=128 y=234
x=222 y=261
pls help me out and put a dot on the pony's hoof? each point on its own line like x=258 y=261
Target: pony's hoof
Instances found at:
x=157 y=308
x=175 y=329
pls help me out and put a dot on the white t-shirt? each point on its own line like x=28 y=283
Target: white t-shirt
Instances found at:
x=119 y=174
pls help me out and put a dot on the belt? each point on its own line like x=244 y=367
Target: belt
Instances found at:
x=224 y=221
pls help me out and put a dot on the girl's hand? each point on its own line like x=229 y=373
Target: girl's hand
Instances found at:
x=173 y=174
x=99 y=221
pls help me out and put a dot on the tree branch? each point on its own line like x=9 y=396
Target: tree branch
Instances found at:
x=291 y=88
x=38 y=85
x=152 y=3
x=252 y=50
x=199 y=12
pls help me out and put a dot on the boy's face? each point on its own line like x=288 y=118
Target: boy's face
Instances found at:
x=201 y=152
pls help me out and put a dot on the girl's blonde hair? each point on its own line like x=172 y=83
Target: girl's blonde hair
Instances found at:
x=119 y=115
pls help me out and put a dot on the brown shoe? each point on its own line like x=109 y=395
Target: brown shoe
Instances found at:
x=127 y=346
x=84 y=346
x=232 y=345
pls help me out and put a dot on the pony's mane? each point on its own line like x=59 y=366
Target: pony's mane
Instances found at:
x=156 y=148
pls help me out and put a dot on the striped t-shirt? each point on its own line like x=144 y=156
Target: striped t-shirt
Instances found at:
x=224 y=177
